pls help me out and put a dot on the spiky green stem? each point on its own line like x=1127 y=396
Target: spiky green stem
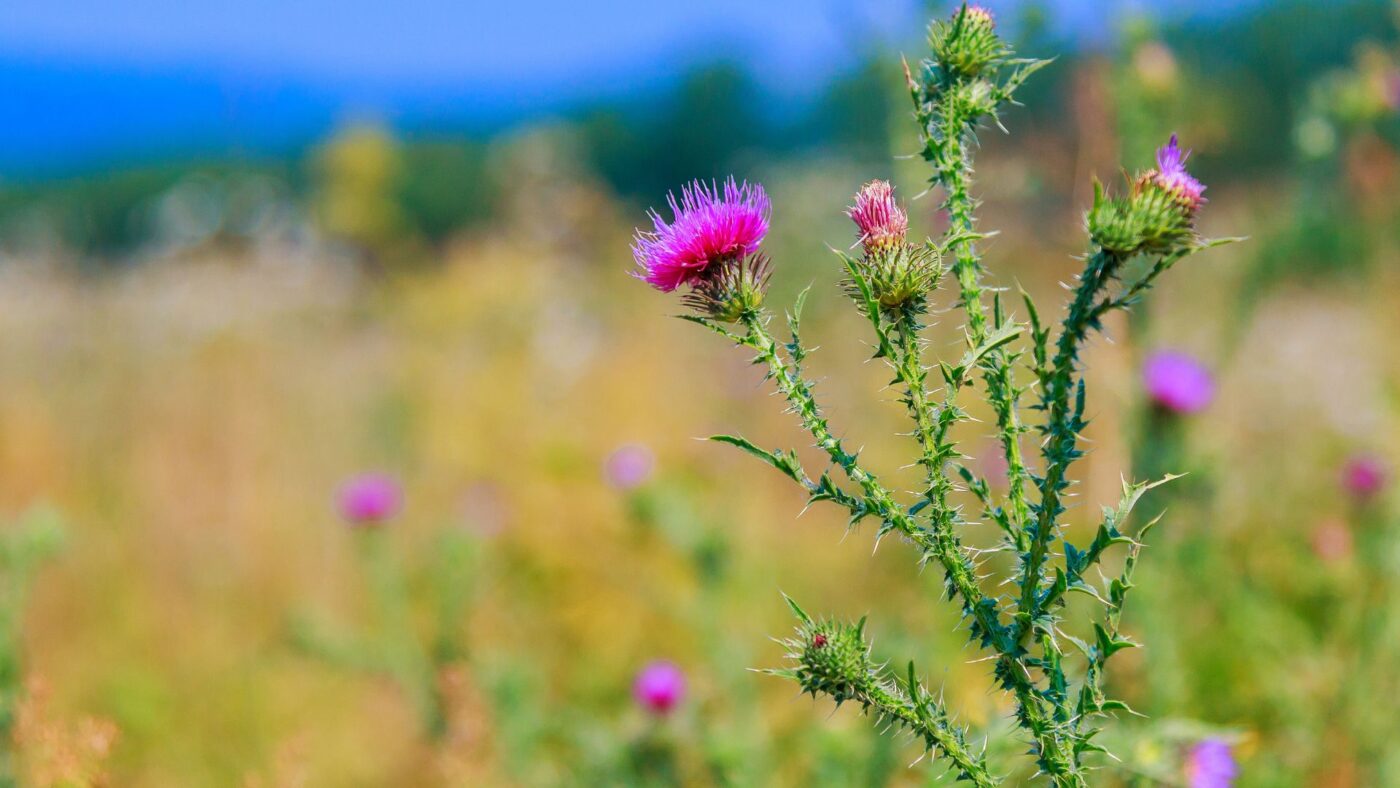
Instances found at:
x=939 y=544
x=1063 y=401
x=929 y=721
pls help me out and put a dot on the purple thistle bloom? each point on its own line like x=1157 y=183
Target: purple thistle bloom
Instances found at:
x=370 y=499
x=659 y=687
x=1177 y=382
x=1210 y=765
x=707 y=227
x=1364 y=476
x=1172 y=175
x=629 y=466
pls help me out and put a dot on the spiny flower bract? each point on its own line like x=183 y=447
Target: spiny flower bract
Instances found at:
x=709 y=225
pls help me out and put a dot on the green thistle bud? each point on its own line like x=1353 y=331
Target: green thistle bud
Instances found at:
x=1164 y=221
x=897 y=276
x=831 y=658
x=1112 y=224
x=734 y=288
x=967 y=43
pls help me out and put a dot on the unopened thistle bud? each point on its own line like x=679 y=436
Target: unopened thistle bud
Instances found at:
x=896 y=273
x=831 y=658
x=967 y=43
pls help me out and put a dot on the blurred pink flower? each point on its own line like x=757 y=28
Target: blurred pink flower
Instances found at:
x=1331 y=540
x=1177 y=382
x=659 y=687
x=629 y=466
x=707 y=226
x=1364 y=476
x=1211 y=765
x=370 y=499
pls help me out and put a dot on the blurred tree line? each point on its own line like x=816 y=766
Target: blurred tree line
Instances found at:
x=397 y=196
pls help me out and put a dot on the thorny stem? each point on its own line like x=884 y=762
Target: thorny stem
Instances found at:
x=953 y=170
x=938 y=543
x=1064 y=403
x=930 y=725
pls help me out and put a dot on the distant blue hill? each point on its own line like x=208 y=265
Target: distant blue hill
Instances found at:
x=60 y=117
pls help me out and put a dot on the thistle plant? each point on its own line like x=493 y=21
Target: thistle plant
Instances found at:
x=419 y=668
x=1028 y=371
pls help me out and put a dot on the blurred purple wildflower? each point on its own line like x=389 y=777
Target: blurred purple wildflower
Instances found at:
x=629 y=466
x=878 y=217
x=659 y=687
x=1210 y=765
x=708 y=226
x=1177 y=382
x=1172 y=175
x=1364 y=476
x=370 y=499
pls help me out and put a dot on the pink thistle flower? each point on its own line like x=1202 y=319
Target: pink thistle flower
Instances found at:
x=369 y=499
x=659 y=687
x=628 y=467
x=707 y=227
x=1177 y=382
x=1211 y=765
x=1364 y=476
x=881 y=222
x=1172 y=176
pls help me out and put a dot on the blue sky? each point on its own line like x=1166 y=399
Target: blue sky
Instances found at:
x=92 y=78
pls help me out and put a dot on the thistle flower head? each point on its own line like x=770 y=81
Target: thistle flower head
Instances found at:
x=709 y=225
x=1210 y=764
x=1177 y=382
x=1364 y=476
x=879 y=219
x=659 y=687
x=1172 y=176
x=369 y=499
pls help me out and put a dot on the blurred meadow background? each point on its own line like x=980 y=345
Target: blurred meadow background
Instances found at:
x=248 y=254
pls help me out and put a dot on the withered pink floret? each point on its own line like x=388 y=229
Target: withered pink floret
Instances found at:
x=708 y=226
